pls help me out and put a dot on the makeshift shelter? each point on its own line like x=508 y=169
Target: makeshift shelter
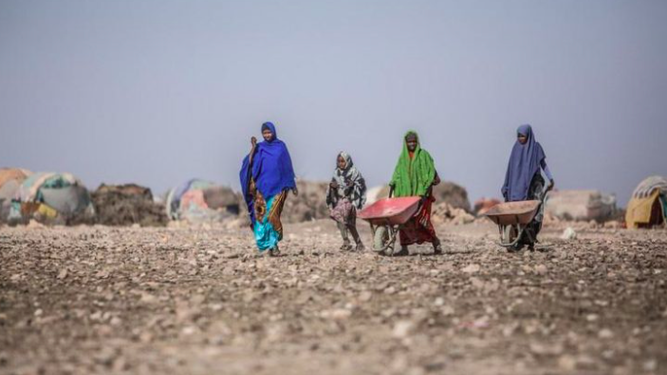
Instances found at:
x=10 y=181
x=648 y=206
x=200 y=201
x=127 y=205
x=581 y=205
x=8 y=175
x=48 y=195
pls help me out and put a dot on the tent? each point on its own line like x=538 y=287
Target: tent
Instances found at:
x=648 y=205
x=10 y=181
x=48 y=195
x=199 y=201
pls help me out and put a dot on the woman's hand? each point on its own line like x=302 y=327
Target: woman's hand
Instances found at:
x=334 y=185
x=436 y=180
x=253 y=141
x=295 y=191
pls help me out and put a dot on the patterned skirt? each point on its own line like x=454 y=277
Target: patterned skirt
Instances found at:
x=344 y=212
x=268 y=228
x=419 y=229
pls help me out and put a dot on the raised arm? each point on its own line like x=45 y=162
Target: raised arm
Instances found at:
x=253 y=144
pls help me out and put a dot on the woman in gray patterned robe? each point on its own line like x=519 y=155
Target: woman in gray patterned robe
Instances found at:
x=345 y=195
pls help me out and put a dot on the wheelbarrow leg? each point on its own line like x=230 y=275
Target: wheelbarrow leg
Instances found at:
x=516 y=244
x=392 y=240
x=506 y=240
x=383 y=238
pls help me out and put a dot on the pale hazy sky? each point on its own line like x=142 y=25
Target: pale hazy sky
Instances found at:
x=156 y=92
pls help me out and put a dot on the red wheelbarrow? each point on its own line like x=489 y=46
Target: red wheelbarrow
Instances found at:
x=386 y=218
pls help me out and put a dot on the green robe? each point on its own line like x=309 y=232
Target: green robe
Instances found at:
x=413 y=176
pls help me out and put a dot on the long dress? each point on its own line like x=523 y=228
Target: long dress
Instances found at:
x=420 y=228
x=265 y=180
x=523 y=179
x=350 y=194
x=413 y=176
x=268 y=230
x=344 y=201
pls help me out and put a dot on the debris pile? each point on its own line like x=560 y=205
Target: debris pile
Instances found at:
x=569 y=234
x=483 y=205
x=129 y=204
x=309 y=205
x=581 y=205
x=445 y=213
x=453 y=194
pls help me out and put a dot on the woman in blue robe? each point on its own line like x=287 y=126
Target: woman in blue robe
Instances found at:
x=523 y=179
x=266 y=177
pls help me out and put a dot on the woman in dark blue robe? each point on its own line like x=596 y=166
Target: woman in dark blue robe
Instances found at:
x=523 y=179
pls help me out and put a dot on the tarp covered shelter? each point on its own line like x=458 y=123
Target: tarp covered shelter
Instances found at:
x=199 y=201
x=648 y=205
x=49 y=195
x=13 y=176
x=10 y=181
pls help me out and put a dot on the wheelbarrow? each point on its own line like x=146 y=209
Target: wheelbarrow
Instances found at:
x=387 y=217
x=513 y=219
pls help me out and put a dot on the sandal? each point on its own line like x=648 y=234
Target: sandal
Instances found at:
x=274 y=252
x=437 y=247
x=403 y=252
x=346 y=246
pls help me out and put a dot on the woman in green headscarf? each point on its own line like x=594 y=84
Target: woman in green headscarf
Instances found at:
x=415 y=175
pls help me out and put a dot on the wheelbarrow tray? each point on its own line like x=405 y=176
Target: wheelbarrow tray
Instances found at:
x=513 y=213
x=391 y=211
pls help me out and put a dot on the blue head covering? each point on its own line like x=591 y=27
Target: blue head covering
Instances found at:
x=524 y=162
x=271 y=169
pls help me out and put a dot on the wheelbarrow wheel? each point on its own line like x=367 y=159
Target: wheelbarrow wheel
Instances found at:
x=509 y=236
x=381 y=240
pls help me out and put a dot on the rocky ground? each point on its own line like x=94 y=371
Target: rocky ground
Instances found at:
x=199 y=301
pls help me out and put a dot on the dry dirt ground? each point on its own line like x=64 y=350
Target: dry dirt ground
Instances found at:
x=200 y=301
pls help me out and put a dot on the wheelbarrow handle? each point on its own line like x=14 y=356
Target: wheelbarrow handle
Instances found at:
x=545 y=193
